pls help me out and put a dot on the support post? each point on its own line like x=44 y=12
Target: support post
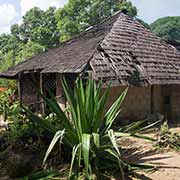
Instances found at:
x=20 y=87
x=152 y=99
x=59 y=92
x=42 y=105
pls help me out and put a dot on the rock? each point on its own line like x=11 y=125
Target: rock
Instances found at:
x=19 y=165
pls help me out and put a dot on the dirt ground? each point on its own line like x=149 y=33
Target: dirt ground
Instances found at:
x=140 y=151
x=166 y=161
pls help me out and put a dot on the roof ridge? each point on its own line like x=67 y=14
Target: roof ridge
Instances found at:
x=91 y=28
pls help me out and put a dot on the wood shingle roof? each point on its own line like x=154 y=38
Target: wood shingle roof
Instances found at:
x=119 y=49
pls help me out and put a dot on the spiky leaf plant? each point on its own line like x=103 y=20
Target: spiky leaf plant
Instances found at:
x=86 y=129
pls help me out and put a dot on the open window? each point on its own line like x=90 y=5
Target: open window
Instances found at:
x=48 y=88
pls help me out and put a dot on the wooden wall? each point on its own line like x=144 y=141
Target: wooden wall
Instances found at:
x=29 y=90
x=175 y=103
x=59 y=92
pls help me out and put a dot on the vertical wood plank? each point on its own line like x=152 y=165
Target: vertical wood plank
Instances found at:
x=42 y=105
x=60 y=92
x=152 y=99
x=20 y=87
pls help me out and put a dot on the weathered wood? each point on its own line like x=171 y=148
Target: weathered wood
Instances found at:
x=59 y=92
x=20 y=87
x=152 y=99
x=42 y=105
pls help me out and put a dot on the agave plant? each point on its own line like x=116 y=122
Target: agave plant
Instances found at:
x=87 y=129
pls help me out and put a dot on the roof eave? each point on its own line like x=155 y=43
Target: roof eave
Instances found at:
x=8 y=76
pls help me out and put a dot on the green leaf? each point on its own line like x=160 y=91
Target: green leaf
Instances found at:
x=85 y=151
x=40 y=122
x=74 y=152
x=140 y=166
x=112 y=112
x=101 y=104
x=58 y=136
x=119 y=161
x=42 y=175
x=119 y=134
x=113 y=141
x=96 y=139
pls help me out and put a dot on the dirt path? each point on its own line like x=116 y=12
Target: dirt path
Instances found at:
x=169 y=166
x=167 y=162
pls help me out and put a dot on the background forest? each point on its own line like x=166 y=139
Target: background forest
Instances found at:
x=41 y=30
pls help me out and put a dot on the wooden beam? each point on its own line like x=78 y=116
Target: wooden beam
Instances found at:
x=60 y=91
x=20 y=87
x=152 y=99
x=42 y=105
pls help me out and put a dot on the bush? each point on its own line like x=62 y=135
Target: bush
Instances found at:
x=9 y=106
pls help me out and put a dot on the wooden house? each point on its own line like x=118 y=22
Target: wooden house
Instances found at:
x=119 y=49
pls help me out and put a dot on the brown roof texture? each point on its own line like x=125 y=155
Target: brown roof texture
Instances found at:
x=119 y=49
x=69 y=57
x=175 y=44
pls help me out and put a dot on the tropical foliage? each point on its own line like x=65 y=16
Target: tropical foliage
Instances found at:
x=76 y=16
x=86 y=130
x=9 y=106
x=167 y=28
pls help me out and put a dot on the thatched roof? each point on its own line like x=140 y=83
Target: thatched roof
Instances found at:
x=119 y=49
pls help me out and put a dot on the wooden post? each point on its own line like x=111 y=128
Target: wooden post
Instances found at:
x=20 y=87
x=42 y=105
x=59 y=92
x=152 y=99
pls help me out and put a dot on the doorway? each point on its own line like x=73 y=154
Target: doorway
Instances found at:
x=167 y=104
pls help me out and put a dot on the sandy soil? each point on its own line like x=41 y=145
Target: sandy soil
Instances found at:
x=166 y=161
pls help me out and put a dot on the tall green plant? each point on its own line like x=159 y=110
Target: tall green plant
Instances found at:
x=86 y=129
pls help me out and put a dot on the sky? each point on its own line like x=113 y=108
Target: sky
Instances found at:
x=11 y=11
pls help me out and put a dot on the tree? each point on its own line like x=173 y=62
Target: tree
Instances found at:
x=78 y=15
x=29 y=50
x=10 y=44
x=167 y=28
x=37 y=32
x=144 y=23
x=128 y=6
x=39 y=26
